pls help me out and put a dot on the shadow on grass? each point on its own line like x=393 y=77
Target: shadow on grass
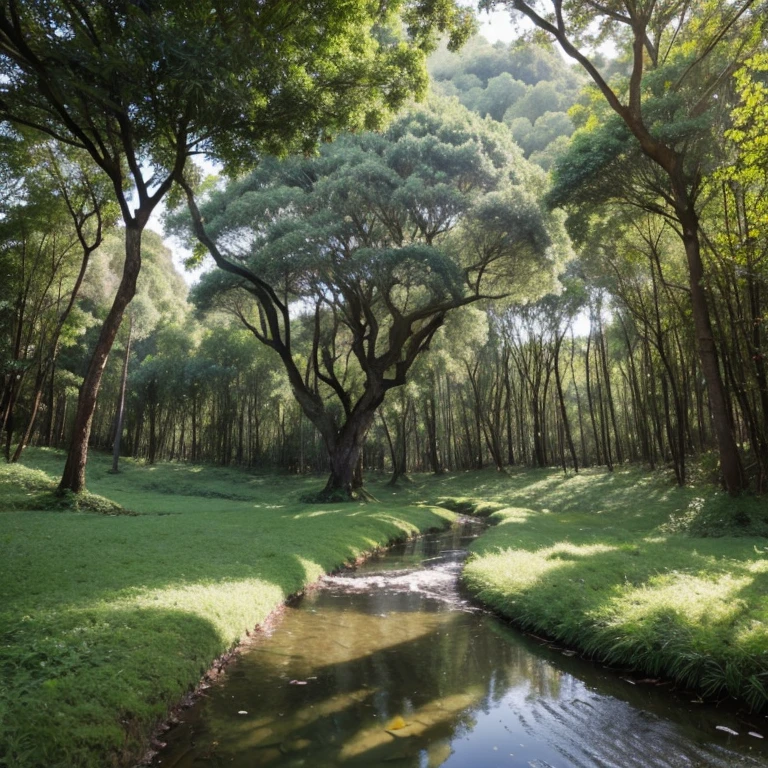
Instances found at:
x=89 y=696
x=93 y=607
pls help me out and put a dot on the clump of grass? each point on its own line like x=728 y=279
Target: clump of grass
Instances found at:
x=465 y=505
x=592 y=561
x=24 y=488
x=717 y=514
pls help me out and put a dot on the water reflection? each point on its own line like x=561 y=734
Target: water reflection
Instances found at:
x=389 y=666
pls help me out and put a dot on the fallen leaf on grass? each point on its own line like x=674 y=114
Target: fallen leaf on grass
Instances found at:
x=396 y=724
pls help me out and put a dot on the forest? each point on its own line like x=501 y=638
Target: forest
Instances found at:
x=363 y=250
x=575 y=341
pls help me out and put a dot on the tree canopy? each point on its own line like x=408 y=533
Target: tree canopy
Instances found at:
x=526 y=85
x=141 y=87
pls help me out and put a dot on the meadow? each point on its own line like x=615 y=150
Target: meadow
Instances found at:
x=108 y=619
x=629 y=570
x=111 y=608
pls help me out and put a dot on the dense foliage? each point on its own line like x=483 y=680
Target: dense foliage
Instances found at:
x=370 y=246
x=527 y=86
x=605 y=370
x=142 y=87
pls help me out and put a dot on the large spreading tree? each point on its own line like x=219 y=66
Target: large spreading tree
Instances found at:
x=346 y=264
x=142 y=86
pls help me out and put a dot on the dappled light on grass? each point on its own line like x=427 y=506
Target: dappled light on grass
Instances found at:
x=508 y=515
x=530 y=568
x=317 y=513
x=154 y=597
x=685 y=599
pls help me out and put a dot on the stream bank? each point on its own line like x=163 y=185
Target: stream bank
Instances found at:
x=391 y=665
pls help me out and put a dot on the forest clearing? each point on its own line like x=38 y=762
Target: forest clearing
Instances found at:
x=471 y=295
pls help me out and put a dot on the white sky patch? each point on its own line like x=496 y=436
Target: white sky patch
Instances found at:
x=498 y=25
x=180 y=253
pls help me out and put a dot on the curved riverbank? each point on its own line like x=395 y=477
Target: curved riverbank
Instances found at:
x=388 y=664
x=596 y=561
x=107 y=622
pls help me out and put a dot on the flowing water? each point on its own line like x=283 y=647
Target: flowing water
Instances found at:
x=391 y=666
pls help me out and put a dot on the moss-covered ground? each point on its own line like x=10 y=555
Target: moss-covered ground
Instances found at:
x=672 y=582
x=107 y=619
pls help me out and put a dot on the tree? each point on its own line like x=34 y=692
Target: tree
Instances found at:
x=372 y=244
x=682 y=55
x=53 y=219
x=521 y=83
x=144 y=86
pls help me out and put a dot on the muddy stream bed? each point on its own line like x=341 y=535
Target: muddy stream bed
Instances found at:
x=391 y=665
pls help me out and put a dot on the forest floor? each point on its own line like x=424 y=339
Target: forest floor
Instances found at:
x=108 y=619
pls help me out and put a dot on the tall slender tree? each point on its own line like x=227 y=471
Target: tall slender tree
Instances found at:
x=682 y=55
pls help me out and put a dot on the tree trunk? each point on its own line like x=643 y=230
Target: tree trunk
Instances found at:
x=73 y=478
x=430 y=421
x=734 y=477
x=50 y=423
x=121 y=402
x=345 y=481
x=608 y=391
x=590 y=401
x=563 y=411
x=36 y=398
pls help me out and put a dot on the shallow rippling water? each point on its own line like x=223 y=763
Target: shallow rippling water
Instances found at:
x=391 y=666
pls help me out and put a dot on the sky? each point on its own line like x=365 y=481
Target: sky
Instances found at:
x=496 y=25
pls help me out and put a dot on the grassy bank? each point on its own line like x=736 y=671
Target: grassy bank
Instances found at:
x=107 y=619
x=608 y=563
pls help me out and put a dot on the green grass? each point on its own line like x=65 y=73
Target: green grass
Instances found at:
x=608 y=563
x=107 y=619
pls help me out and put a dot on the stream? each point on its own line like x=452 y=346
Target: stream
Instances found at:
x=391 y=665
